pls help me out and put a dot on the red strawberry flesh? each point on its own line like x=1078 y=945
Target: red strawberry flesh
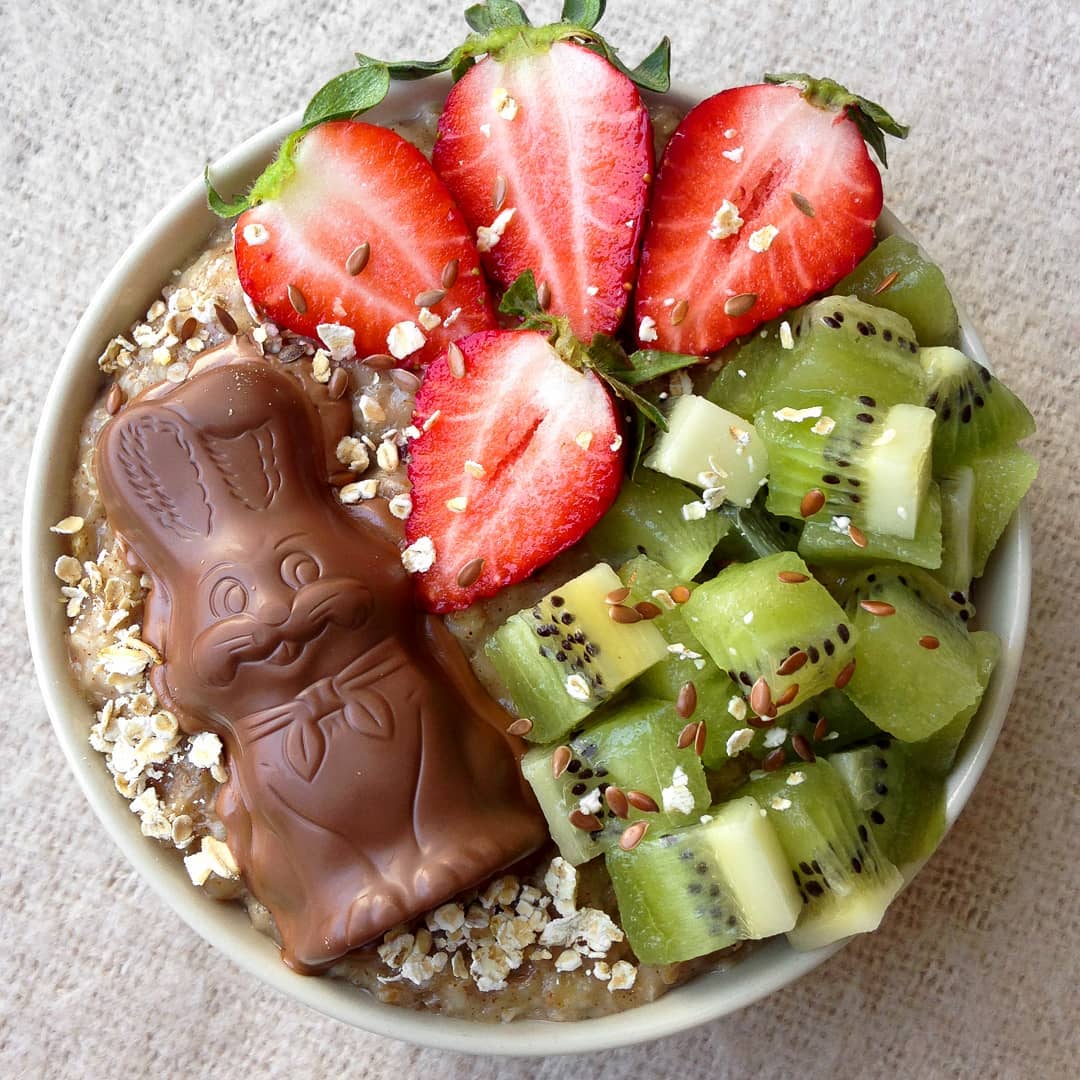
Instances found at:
x=357 y=183
x=517 y=460
x=576 y=158
x=767 y=151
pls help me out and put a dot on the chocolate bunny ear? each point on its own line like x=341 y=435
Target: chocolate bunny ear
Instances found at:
x=248 y=464
x=150 y=479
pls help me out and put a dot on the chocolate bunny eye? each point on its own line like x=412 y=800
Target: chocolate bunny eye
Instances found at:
x=228 y=597
x=298 y=568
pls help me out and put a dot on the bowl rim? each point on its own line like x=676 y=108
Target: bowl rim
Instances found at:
x=704 y=998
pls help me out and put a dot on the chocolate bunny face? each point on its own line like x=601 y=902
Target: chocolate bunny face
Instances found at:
x=368 y=780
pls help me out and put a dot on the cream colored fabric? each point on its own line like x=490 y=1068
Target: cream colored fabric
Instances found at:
x=106 y=109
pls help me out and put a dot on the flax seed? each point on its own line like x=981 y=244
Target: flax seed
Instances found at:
x=429 y=298
x=700 y=737
x=792 y=577
x=877 y=607
x=639 y=800
x=761 y=697
x=792 y=663
x=802 y=747
x=886 y=283
x=455 y=360
x=687 y=735
x=520 y=727
x=774 y=759
x=845 y=676
x=617 y=802
x=358 y=259
x=586 y=822
x=788 y=696
x=617 y=596
x=734 y=306
x=296 y=298
x=620 y=613
x=633 y=835
x=648 y=610
x=812 y=502
x=114 y=399
x=225 y=320
x=686 y=702
x=560 y=760
x=470 y=573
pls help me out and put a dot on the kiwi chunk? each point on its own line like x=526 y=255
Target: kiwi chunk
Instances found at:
x=916 y=667
x=756 y=624
x=936 y=753
x=831 y=542
x=977 y=414
x=647 y=519
x=748 y=368
x=692 y=891
x=844 y=881
x=914 y=287
x=870 y=464
x=713 y=448
x=566 y=655
x=847 y=348
x=634 y=748
x=1002 y=480
x=903 y=805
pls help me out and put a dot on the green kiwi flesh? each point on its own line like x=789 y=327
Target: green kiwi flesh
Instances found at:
x=565 y=656
x=830 y=542
x=916 y=667
x=903 y=805
x=687 y=892
x=977 y=414
x=647 y=519
x=634 y=748
x=844 y=881
x=752 y=622
x=1002 y=480
x=917 y=291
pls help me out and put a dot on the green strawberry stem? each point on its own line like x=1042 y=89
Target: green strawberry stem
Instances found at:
x=873 y=122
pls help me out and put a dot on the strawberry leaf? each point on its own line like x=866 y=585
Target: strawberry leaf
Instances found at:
x=521 y=298
x=873 y=122
x=350 y=93
x=654 y=72
x=648 y=364
x=495 y=14
x=585 y=13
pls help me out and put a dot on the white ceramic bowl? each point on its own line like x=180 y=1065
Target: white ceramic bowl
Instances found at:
x=175 y=235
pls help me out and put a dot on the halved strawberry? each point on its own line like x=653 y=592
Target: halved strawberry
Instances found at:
x=356 y=184
x=518 y=458
x=763 y=200
x=548 y=152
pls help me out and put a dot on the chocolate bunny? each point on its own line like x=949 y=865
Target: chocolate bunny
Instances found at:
x=370 y=778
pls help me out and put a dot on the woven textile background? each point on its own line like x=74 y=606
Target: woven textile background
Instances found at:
x=107 y=109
